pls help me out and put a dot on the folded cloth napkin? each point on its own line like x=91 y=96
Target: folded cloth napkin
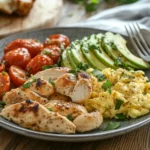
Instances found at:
x=115 y=19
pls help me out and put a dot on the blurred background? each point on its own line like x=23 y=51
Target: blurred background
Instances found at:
x=80 y=10
x=39 y=14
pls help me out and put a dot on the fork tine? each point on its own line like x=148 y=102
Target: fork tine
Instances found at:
x=137 y=28
x=137 y=40
x=133 y=42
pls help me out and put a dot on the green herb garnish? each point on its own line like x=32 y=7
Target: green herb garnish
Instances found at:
x=70 y=117
x=92 y=5
x=50 y=109
x=74 y=71
x=120 y=116
x=98 y=75
x=3 y=73
x=27 y=74
x=28 y=68
x=46 y=52
x=51 y=81
x=112 y=126
x=49 y=66
x=33 y=79
x=26 y=85
x=2 y=104
x=119 y=102
x=106 y=85
x=83 y=66
x=118 y=62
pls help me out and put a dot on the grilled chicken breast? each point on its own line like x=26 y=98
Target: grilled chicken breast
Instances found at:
x=59 y=97
x=8 y=6
x=88 y=121
x=78 y=88
x=52 y=73
x=66 y=108
x=20 y=94
x=21 y=7
x=32 y=115
x=65 y=84
x=41 y=87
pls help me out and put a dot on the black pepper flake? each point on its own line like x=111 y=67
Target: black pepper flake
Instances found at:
x=38 y=82
x=29 y=101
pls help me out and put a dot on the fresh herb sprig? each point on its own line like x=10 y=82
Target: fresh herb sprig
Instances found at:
x=92 y=5
x=112 y=126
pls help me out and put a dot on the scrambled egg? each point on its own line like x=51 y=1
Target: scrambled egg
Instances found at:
x=121 y=94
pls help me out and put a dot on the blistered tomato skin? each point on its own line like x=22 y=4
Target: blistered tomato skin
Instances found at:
x=53 y=52
x=19 y=57
x=36 y=63
x=4 y=83
x=33 y=46
x=58 y=40
x=17 y=76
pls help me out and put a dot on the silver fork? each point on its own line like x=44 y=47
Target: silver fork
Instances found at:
x=138 y=41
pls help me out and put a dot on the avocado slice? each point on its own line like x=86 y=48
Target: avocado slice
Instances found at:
x=122 y=48
x=111 y=49
x=65 y=62
x=76 y=53
x=90 y=57
x=94 y=42
x=69 y=57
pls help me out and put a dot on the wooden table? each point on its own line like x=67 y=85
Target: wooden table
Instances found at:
x=136 y=140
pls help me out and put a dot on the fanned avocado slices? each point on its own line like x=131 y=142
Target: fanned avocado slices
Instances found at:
x=65 y=62
x=116 y=45
x=76 y=52
x=101 y=51
x=94 y=42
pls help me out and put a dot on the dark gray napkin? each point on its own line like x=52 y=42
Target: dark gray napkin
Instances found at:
x=116 y=18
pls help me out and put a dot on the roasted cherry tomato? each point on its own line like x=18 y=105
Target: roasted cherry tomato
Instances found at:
x=4 y=83
x=33 y=46
x=57 y=39
x=2 y=67
x=17 y=76
x=36 y=63
x=53 y=52
x=19 y=57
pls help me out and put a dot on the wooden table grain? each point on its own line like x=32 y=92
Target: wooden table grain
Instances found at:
x=136 y=140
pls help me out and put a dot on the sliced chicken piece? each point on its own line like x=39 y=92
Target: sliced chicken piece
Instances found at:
x=21 y=7
x=65 y=84
x=66 y=108
x=41 y=87
x=20 y=94
x=78 y=88
x=8 y=6
x=59 y=97
x=88 y=121
x=24 y=7
x=32 y=115
x=52 y=73
x=81 y=92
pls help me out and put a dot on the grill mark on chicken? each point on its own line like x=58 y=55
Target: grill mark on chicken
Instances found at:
x=34 y=108
x=84 y=75
x=29 y=101
x=38 y=82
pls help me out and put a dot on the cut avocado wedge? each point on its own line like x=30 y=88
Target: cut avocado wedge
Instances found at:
x=94 y=42
x=91 y=59
x=65 y=62
x=69 y=57
x=110 y=48
x=76 y=53
x=122 y=48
